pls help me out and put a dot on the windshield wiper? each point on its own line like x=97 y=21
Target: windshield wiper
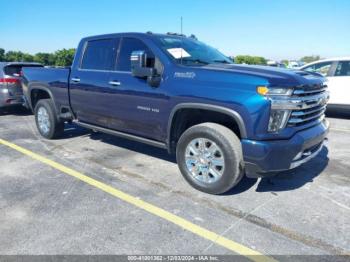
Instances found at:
x=222 y=61
x=197 y=61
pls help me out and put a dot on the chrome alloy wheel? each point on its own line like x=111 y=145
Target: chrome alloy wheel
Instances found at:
x=204 y=160
x=44 y=120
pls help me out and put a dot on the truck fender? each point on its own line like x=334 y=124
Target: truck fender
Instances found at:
x=235 y=115
x=40 y=87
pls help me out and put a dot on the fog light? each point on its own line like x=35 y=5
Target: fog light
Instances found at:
x=298 y=156
x=278 y=120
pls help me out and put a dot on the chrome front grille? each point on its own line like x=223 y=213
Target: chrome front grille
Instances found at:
x=303 y=92
x=307 y=115
x=312 y=106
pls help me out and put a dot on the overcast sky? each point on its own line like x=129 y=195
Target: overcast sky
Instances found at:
x=275 y=29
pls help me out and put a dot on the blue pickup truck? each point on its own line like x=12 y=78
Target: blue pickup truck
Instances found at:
x=222 y=120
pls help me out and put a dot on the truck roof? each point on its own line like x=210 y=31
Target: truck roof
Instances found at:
x=133 y=34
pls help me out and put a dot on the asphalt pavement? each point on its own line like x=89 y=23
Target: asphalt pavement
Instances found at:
x=46 y=210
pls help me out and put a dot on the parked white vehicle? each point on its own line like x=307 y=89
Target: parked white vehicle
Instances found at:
x=295 y=64
x=337 y=71
x=275 y=64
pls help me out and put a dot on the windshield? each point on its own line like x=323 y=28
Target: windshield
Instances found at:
x=189 y=51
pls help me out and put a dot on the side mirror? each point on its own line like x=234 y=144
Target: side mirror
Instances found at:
x=139 y=65
x=139 y=68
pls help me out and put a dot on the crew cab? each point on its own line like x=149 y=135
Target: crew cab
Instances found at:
x=222 y=120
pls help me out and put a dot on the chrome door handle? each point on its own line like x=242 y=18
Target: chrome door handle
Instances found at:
x=114 y=83
x=75 y=79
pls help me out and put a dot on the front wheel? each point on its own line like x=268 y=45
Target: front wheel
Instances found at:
x=48 y=124
x=210 y=158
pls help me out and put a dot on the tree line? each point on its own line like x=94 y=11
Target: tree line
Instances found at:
x=62 y=57
x=258 y=60
x=250 y=60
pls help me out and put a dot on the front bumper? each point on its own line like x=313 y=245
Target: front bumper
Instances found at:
x=264 y=157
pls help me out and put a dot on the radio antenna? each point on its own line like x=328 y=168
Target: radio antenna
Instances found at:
x=181 y=25
x=181 y=36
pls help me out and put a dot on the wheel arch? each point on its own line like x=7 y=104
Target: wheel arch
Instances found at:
x=38 y=92
x=232 y=114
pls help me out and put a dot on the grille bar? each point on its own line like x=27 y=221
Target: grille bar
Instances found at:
x=294 y=120
x=314 y=105
x=308 y=112
x=303 y=92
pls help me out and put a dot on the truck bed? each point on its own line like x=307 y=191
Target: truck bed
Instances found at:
x=53 y=80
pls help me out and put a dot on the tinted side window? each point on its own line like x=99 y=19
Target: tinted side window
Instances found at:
x=343 y=69
x=99 y=55
x=321 y=68
x=128 y=46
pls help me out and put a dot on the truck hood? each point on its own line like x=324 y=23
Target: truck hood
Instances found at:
x=275 y=76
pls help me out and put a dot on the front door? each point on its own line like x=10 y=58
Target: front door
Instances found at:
x=138 y=107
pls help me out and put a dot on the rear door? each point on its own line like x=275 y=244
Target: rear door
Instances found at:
x=90 y=89
x=339 y=83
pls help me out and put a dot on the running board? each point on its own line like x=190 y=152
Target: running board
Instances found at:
x=123 y=135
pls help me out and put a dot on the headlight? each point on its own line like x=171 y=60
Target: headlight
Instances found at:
x=274 y=91
x=278 y=119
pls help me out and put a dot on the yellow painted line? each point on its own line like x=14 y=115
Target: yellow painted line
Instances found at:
x=159 y=212
x=341 y=129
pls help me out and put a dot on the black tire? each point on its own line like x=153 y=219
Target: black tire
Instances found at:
x=56 y=127
x=231 y=148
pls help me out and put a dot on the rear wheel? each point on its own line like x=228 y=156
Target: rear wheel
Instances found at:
x=48 y=124
x=210 y=158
